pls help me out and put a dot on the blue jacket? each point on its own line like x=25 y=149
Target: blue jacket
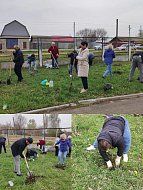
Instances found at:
x=2 y=139
x=64 y=145
x=18 y=57
x=109 y=55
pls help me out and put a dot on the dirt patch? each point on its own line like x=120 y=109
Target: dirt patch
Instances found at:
x=32 y=179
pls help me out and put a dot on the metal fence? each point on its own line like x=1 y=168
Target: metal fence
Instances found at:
x=48 y=134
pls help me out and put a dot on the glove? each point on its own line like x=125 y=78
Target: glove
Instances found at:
x=125 y=157
x=117 y=160
x=109 y=164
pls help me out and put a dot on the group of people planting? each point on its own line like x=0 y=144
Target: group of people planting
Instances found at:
x=81 y=60
x=63 y=146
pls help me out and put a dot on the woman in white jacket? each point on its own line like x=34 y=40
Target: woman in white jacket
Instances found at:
x=83 y=65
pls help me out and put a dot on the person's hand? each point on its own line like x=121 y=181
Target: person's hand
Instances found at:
x=109 y=164
x=117 y=161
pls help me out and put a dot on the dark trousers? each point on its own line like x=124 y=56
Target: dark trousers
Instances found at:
x=56 y=150
x=90 y=62
x=2 y=145
x=54 y=62
x=17 y=70
x=69 y=153
x=84 y=82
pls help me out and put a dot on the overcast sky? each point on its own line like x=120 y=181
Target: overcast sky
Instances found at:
x=66 y=119
x=56 y=17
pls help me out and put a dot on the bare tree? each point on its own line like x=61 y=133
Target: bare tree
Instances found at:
x=91 y=35
x=19 y=121
x=101 y=32
x=54 y=122
x=31 y=124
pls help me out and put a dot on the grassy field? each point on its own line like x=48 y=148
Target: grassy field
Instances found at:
x=53 y=178
x=90 y=172
x=31 y=95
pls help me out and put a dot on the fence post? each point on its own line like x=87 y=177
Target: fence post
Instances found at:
x=24 y=132
x=7 y=137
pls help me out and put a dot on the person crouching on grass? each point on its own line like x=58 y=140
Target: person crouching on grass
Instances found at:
x=17 y=148
x=83 y=65
x=63 y=150
x=114 y=133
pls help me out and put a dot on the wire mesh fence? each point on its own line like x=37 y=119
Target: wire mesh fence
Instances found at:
x=47 y=134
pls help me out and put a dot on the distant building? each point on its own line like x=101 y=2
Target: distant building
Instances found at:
x=63 y=42
x=118 y=41
x=14 y=33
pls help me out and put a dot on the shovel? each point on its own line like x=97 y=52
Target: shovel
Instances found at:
x=55 y=61
x=27 y=166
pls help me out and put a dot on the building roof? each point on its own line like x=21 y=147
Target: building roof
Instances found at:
x=15 y=29
x=66 y=39
x=126 y=39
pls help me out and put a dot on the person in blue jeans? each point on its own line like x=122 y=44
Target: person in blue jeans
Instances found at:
x=73 y=62
x=63 y=150
x=114 y=133
x=109 y=55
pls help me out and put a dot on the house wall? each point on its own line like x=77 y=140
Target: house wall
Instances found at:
x=3 y=42
x=20 y=43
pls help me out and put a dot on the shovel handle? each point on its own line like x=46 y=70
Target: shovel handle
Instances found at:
x=27 y=164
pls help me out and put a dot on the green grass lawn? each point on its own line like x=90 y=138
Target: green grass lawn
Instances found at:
x=90 y=172
x=30 y=95
x=54 y=179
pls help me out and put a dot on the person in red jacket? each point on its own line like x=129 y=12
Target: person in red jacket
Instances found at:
x=54 y=51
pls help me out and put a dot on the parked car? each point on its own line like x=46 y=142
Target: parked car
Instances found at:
x=122 y=47
x=139 y=46
x=98 y=47
x=125 y=47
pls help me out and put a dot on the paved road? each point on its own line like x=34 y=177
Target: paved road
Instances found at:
x=127 y=106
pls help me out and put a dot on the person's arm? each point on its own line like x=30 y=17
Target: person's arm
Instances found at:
x=57 y=51
x=104 y=54
x=21 y=151
x=57 y=143
x=83 y=57
x=49 y=50
x=104 y=155
x=120 y=148
x=106 y=158
x=113 y=54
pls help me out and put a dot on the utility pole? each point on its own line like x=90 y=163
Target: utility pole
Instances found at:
x=44 y=123
x=74 y=30
x=129 y=44
x=117 y=29
x=140 y=31
x=40 y=51
x=116 y=32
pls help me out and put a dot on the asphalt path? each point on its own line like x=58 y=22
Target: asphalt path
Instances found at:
x=126 y=106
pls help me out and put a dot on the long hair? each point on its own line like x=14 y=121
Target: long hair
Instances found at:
x=104 y=145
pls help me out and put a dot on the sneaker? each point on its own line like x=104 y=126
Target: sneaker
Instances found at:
x=19 y=174
x=70 y=76
x=125 y=157
x=90 y=148
x=58 y=165
x=83 y=91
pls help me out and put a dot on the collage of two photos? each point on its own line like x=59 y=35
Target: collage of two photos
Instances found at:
x=71 y=95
